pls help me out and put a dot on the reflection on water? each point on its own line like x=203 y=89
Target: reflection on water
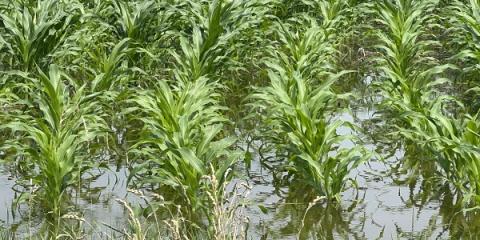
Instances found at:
x=6 y=196
x=95 y=204
x=392 y=201
x=380 y=209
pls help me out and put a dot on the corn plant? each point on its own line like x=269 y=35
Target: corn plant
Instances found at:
x=454 y=144
x=309 y=54
x=465 y=21
x=310 y=134
x=300 y=105
x=108 y=63
x=35 y=31
x=410 y=73
x=214 y=28
x=108 y=53
x=149 y=25
x=135 y=22
x=331 y=12
x=336 y=19
x=57 y=133
x=406 y=84
x=110 y=78
x=182 y=139
x=410 y=91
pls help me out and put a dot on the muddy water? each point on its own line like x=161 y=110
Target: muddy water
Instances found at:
x=382 y=208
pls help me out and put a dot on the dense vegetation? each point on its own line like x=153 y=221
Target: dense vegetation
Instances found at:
x=171 y=89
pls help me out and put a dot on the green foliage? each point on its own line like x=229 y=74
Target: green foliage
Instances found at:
x=410 y=72
x=158 y=85
x=308 y=53
x=465 y=28
x=300 y=106
x=214 y=26
x=410 y=88
x=467 y=21
x=105 y=79
x=453 y=142
x=136 y=20
x=408 y=79
x=33 y=32
x=54 y=137
x=182 y=139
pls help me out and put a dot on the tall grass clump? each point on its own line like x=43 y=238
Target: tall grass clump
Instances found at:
x=55 y=138
x=300 y=109
x=228 y=220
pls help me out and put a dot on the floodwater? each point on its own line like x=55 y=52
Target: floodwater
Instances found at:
x=380 y=209
x=389 y=203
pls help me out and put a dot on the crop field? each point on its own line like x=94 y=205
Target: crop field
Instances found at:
x=239 y=119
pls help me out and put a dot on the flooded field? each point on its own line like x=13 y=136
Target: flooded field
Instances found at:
x=390 y=203
x=239 y=119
